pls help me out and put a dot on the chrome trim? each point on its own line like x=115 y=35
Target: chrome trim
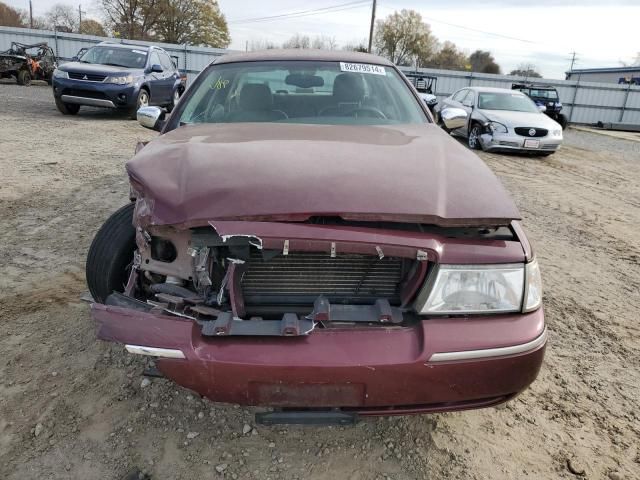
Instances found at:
x=490 y=352
x=94 y=102
x=154 y=351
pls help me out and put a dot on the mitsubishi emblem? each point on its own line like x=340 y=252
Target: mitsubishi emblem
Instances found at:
x=85 y=78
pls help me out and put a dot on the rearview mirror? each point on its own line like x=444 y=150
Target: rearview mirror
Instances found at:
x=453 y=118
x=542 y=108
x=302 y=80
x=155 y=68
x=150 y=117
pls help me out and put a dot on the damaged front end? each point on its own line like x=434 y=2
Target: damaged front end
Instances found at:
x=246 y=278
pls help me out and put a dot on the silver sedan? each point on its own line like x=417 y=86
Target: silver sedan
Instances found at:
x=498 y=119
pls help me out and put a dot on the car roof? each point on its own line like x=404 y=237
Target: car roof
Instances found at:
x=494 y=90
x=128 y=45
x=304 y=54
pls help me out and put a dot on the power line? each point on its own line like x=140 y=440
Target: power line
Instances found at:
x=479 y=31
x=304 y=13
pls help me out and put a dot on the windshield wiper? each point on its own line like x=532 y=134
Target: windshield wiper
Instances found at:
x=115 y=65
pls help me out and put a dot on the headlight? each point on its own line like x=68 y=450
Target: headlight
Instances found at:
x=432 y=101
x=533 y=287
x=60 y=74
x=556 y=133
x=469 y=289
x=463 y=289
x=121 y=80
x=496 y=127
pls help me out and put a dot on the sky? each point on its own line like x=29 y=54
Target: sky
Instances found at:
x=543 y=33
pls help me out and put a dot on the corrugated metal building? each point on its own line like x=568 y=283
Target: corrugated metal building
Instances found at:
x=606 y=75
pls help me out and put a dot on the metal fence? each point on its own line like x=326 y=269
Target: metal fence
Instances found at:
x=191 y=60
x=584 y=102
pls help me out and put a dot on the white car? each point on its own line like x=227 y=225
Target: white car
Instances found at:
x=498 y=119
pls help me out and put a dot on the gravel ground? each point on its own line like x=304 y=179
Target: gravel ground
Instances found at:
x=72 y=407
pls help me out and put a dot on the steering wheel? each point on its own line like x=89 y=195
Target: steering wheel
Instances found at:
x=377 y=113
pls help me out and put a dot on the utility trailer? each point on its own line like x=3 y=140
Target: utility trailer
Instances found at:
x=28 y=62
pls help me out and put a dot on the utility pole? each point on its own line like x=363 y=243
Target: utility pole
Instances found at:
x=573 y=60
x=373 y=21
x=30 y=14
x=80 y=15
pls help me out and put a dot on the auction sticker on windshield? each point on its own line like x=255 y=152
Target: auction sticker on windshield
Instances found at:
x=362 y=68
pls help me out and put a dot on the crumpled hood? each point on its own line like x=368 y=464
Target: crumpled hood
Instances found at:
x=289 y=172
x=521 y=119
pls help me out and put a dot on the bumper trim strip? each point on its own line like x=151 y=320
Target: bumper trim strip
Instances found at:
x=94 y=102
x=154 y=351
x=490 y=352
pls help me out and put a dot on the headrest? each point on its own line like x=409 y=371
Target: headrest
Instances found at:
x=348 y=88
x=255 y=96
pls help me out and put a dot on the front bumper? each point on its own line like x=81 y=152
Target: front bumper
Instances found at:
x=437 y=365
x=512 y=142
x=96 y=94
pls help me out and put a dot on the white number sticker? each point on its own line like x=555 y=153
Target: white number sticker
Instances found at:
x=362 y=68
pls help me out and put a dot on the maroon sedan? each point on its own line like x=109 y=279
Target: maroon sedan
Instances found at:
x=303 y=236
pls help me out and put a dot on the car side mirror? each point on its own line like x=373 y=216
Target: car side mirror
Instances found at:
x=454 y=118
x=155 y=68
x=74 y=59
x=151 y=117
x=542 y=108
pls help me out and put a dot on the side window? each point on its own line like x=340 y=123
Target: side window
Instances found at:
x=167 y=63
x=459 y=95
x=155 y=59
x=469 y=99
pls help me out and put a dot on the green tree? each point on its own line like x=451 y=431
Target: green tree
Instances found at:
x=482 y=61
x=403 y=37
x=11 y=17
x=92 y=27
x=196 y=22
x=448 y=57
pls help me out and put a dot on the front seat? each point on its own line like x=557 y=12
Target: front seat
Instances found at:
x=348 y=94
x=255 y=104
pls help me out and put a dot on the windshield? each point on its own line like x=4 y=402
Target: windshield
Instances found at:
x=302 y=92
x=550 y=94
x=516 y=102
x=115 y=56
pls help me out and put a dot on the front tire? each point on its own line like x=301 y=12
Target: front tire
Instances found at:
x=141 y=101
x=24 y=78
x=473 y=140
x=67 y=108
x=111 y=254
x=174 y=100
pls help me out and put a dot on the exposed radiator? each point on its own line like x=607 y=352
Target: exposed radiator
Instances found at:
x=300 y=277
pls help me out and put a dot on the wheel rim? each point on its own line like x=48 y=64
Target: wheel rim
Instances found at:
x=144 y=99
x=473 y=137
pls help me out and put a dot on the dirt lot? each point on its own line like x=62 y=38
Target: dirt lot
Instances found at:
x=72 y=407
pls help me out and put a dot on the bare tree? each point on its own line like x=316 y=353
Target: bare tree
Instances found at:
x=262 y=45
x=62 y=17
x=132 y=19
x=298 y=41
x=528 y=70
